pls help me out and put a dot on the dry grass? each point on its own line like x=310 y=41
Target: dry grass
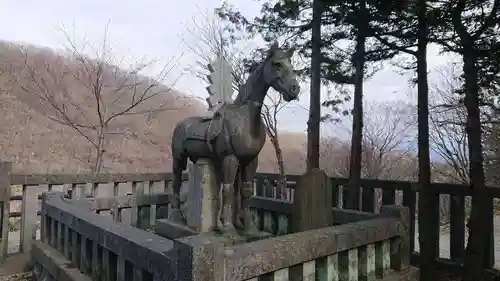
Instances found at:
x=26 y=276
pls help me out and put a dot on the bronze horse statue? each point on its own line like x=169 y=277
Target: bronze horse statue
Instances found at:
x=233 y=139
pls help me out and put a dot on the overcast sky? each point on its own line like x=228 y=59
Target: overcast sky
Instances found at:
x=156 y=29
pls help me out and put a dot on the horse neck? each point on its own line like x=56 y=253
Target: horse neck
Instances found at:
x=252 y=94
x=254 y=90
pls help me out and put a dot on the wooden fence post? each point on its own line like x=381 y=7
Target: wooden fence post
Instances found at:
x=5 y=171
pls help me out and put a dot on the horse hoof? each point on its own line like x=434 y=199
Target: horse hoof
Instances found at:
x=228 y=228
x=239 y=225
x=176 y=217
x=251 y=230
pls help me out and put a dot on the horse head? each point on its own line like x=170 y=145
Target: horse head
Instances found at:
x=278 y=72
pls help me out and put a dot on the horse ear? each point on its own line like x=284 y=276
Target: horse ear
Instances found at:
x=290 y=52
x=252 y=67
x=274 y=48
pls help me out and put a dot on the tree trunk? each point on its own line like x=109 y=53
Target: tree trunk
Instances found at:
x=427 y=201
x=357 y=122
x=100 y=149
x=281 y=168
x=481 y=204
x=313 y=132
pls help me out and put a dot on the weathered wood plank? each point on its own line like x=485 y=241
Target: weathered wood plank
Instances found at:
x=367 y=199
x=388 y=196
x=34 y=179
x=409 y=201
x=457 y=227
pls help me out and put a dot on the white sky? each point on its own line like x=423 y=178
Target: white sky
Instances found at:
x=155 y=29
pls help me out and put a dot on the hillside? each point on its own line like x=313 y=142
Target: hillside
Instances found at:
x=37 y=144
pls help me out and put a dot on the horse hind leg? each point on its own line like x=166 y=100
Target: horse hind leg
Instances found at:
x=179 y=165
x=229 y=171
x=238 y=184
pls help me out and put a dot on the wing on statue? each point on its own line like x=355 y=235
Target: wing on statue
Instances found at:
x=220 y=89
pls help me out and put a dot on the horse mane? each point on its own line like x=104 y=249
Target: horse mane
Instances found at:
x=245 y=90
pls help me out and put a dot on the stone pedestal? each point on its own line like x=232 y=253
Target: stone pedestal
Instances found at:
x=202 y=197
x=201 y=211
x=201 y=257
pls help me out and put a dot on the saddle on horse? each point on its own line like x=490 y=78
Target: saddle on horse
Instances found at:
x=206 y=129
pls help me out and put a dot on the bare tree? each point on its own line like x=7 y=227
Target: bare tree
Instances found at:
x=387 y=146
x=89 y=94
x=387 y=139
x=270 y=112
x=447 y=125
x=334 y=157
x=211 y=38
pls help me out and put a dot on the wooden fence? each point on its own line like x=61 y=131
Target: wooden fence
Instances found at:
x=31 y=186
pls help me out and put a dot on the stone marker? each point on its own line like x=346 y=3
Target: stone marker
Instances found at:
x=312 y=205
x=221 y=84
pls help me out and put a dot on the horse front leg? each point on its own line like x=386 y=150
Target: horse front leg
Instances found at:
x=175 y=215
x=246 y=190
x=229 y=171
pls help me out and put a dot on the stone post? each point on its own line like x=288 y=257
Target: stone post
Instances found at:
x=400 y=247
x=5 y=171
x=312 y=202
x=202 y=196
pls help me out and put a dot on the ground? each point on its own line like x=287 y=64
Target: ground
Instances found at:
x=17 y=277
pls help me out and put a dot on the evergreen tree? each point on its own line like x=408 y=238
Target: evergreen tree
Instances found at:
x=340 y=63
x=471 y=29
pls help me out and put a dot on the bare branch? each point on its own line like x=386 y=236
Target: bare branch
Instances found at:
x=388 y=137
x=210 y=38
x=448 y=117
x=87 y=94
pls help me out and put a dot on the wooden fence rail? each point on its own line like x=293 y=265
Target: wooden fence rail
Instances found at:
x=27 y=189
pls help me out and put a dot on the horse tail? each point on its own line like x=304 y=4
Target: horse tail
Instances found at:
x=178 y=138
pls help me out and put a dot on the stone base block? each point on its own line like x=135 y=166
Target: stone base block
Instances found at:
x=201 y=257
x=240 y=237
x=229 y=239
x=410 y=274
x=172 y=230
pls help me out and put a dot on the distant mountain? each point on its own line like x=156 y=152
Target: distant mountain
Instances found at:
x=140 y=143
